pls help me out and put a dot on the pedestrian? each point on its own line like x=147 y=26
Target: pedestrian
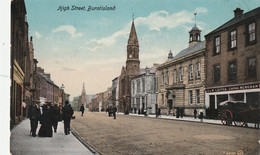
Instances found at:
x=34 y=114
x=67 y=113
x=159 y=112
x=195 y=113
x=56 y=116
x=181 y=112
x=114 y=112
x=177 y=112
x=46 y=122
x=82 y=109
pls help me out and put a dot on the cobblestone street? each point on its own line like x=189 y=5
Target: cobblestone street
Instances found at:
x=140 y=135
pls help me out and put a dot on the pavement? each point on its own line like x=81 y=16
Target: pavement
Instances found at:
x=22 y=143
x=187 y=118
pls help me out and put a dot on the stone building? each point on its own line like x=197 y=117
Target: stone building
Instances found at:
x=143 y=94
x=181 y=78
x=19 y=49
x=233 y=60
x=106 y=100
x=127 y=73
x=114 y=89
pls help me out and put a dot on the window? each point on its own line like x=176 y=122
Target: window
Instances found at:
x=162 y=78
x=251 y=67
x=198 y=70
x=162 y=99
x=197 y=96
x=233 y=39
x=232 y=70
x=174 y=76
x=251 y=32
x=190 y=72
x=138 y=86
x=133 y=87
x=217 y=45
x=190 y=97
x=143 y=84
x=167 y=78
x=180 y=73
x=216 y=73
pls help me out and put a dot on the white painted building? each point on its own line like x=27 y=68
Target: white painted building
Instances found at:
x=143 y=91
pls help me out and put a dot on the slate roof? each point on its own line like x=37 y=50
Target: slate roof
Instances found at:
x=237 y=19
x=197 y=47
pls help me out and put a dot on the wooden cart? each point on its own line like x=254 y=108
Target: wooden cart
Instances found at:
x=238 y=112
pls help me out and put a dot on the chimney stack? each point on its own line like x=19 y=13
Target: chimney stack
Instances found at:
x=238 y=12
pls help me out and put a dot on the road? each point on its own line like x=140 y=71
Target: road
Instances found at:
x=141 y=135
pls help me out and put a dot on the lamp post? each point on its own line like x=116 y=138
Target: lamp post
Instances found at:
x=62 y=94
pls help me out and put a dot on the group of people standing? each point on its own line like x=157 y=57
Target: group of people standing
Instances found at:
x=49 y=115
x=112 y=110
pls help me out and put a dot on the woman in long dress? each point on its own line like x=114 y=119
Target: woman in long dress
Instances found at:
x=46 y=122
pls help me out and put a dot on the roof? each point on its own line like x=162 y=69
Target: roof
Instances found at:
x=133 y=40
x=195 y=48
x=152 y=70
x=47 y=79
x=237 y=19
x=195 y=28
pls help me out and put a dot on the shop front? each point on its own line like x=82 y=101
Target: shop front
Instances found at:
x=246 y=93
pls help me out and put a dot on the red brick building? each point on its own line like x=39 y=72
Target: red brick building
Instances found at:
x=233 y=60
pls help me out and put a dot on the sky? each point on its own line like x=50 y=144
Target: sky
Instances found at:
x=77 y=46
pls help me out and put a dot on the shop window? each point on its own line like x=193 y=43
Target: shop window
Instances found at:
x=251 y=67
x=232 y=70
x=216 y=73
x=216 y=45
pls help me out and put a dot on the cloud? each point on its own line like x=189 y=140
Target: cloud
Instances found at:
x=67 y=69
x=37 y=35
x=201 y=10
x=155 y=22
x=94 y=44
x=69 y=29
x=162 y=19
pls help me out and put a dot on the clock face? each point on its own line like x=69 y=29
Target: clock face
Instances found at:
x=130 y=56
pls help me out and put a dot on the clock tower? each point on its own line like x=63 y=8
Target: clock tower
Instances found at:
x=131 y=70
x=132 y=61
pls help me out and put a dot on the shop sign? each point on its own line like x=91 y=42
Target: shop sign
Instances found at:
x=234 y=88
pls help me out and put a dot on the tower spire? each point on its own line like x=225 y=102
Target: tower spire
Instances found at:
x=195 y=13
x=133 y=40
x=83 y=89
